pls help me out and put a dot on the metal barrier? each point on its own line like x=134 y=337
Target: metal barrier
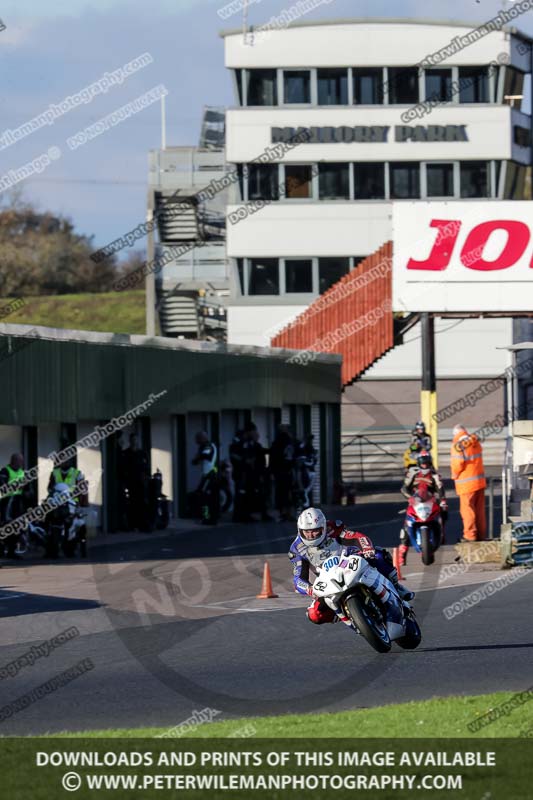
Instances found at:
x=375 y=455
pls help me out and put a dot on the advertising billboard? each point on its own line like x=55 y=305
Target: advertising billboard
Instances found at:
x=463 y=256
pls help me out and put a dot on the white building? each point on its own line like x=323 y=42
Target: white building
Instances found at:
x=350 y=88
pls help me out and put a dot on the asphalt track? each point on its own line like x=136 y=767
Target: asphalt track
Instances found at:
x=171 y=625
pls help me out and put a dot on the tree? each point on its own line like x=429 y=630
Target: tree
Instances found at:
x=40 y=253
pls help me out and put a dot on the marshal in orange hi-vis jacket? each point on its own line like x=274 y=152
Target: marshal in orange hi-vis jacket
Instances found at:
x=469 y=475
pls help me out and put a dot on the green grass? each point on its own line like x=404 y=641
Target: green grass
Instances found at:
x=115 y=312
x=441 y=717
x=434 y=725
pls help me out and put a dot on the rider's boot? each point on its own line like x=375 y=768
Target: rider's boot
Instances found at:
x=403 y=591
x=384 y=563
x=403 y=549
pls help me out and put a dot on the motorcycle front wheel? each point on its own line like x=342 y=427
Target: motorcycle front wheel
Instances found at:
x=366 y=620
x=427 y=549
x=413 y=634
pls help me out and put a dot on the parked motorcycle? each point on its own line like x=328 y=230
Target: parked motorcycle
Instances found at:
x=33 y=538
x=65 y=525
x=424 y=525
x=369 y=602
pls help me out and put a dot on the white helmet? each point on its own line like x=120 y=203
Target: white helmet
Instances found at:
x=312 y=527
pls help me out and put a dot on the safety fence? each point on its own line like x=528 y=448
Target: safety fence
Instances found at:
x=376 y=455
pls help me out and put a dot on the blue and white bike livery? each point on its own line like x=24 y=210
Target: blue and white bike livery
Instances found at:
x=367 y=601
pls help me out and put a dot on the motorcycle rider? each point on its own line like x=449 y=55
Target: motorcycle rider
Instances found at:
x=420 y=440
x=13 y=501
x=420 y=437
x=206 y=458
x=410 y=456
x=317 y=539
x=423 y=473
x=424 y=476
x=72 y=477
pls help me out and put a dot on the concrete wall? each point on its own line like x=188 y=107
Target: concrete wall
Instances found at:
x=307 y=229
x=257 y=324
x=522 y=432
x=90 y=463
x=463 y=348
x=391 y=404
x=384 y=412
x=10 y=442
x=227 y=427
x=48 y=440
x=363 y=42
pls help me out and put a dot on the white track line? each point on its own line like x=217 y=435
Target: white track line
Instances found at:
x=261 y=541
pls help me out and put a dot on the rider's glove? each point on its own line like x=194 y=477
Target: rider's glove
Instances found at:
x=444 y=505
x=360 y=541
x=309 y=591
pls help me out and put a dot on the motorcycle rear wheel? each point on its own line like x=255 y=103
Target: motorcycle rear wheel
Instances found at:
x=69 y=549
x=371 y=629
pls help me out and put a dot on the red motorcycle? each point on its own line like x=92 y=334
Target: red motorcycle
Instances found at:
x=424 y=524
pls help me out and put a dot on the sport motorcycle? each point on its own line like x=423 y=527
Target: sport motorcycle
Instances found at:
x=424 y=525
x=367 y=602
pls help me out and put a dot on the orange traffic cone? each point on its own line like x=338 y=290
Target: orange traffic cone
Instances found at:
x=266 y=588
x=397 y=561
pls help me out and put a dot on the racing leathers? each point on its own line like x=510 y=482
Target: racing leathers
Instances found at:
x=305 y=557
x=417 y=477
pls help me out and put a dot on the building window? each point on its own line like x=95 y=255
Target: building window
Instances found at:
x=241 y=171
x=513 y=87
x=238 y=83
x=298 y=181
x=263 y=182
x=438 y=84
x=332 y=87
x=403 y=85
x=331 y=270
x=262 y=87
x=475 y=179
x=296 y=86
x=440 y=180
x=334 y=181
x=368 y=86
x=263 y=277
x=369 y=181
x=515 y=182
x=405 y=180
x=298 y=276
x=240 y=274
x=521 y=136
x=474 y=84
x=497 y=173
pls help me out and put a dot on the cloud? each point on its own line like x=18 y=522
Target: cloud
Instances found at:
x=16 y=34
x=54 y=49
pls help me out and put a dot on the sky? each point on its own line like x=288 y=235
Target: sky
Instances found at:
x=50 y=50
